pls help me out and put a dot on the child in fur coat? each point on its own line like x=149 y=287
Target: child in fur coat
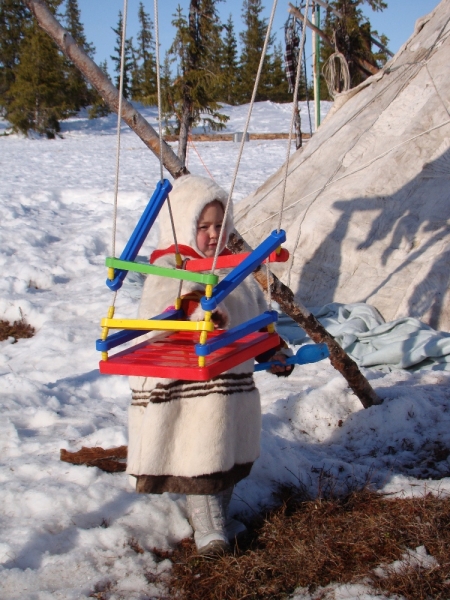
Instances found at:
x=193 y=437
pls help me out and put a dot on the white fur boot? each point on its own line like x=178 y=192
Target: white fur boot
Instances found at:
x=208 y=519
x=234 y=528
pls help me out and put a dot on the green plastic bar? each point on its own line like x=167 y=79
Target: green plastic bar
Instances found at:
x=125 y=265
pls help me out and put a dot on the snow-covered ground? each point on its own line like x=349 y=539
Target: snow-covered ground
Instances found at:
x=67 y=531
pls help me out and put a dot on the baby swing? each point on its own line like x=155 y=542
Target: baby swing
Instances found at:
x=189 y=350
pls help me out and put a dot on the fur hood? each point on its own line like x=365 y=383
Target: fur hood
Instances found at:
x=189 y=196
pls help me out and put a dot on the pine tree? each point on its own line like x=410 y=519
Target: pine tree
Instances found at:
x=14 y=20
x=229 y=64
x=79 y=93
x=145 y=55
x=351 y=33
x=195 y=90
x=252 y=39
x=167 y=106
x=37 y=98
x=128 y=58
x=277 y=85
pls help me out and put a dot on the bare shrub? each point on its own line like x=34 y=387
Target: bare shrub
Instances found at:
x=17 y=330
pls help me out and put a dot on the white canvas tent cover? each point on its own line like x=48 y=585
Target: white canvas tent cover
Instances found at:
x=368 y=198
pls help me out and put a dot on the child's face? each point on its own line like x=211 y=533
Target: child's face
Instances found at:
x=208 y=228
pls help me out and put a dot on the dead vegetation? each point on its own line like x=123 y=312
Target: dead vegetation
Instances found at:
x=313 y=543
x=17 y=330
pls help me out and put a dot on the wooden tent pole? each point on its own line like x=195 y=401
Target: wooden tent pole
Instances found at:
x=281 y=293
x=341 y=16
x=363 y=65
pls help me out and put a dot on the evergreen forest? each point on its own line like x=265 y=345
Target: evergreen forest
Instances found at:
x=207 y=64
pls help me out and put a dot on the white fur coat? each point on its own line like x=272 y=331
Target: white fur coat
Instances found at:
x=190 y=436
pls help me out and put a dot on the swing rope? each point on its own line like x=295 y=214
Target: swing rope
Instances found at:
x=111 y=308
x=119 y=121
x=241 y=148
x=161 y=164
x=294 y=106
x=158 y=85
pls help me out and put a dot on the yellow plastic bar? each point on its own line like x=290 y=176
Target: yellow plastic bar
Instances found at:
x=204 y=334
x=105 y=330
x=154 y=325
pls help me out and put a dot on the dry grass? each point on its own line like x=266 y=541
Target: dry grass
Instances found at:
x=18 y=329
x=317 y=542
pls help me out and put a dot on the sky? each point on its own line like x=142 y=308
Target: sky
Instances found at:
x=98 y=16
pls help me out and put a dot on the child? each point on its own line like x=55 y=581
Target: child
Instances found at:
x=193 y=437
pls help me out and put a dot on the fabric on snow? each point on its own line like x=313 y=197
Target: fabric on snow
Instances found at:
x=359 y=328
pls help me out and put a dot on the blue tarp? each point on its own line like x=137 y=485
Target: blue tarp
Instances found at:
x=359 y=328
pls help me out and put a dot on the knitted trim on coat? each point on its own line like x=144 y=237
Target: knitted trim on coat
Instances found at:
x=202 y=484
x=225 y=385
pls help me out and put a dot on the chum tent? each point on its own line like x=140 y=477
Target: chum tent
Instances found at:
x=368 y=198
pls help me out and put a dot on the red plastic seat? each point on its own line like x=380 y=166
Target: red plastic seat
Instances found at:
x=173 y=356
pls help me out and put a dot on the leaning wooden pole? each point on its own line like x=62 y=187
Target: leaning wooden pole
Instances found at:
x=281 y=293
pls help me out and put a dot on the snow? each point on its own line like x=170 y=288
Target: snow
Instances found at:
x=69 y=531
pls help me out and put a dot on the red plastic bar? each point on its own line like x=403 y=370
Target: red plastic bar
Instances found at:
x=230 y=261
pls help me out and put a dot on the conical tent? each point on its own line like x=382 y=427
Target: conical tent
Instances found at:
x=368 y=198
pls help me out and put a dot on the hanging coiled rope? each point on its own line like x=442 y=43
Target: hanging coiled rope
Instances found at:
x=336 y=74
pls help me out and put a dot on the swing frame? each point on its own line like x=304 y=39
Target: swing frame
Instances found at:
x=214 y=292
x=229 y=348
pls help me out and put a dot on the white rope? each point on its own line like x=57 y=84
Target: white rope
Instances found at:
x=241 y=148
x=364 y=166
x=293 y=117
x=119 y=120
x=158 y=83
x=336 y=74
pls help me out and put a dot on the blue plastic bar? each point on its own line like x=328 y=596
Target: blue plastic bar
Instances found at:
x=236 y=333
x=163 y=188
x=126 y=335
x=306 y=354
x=239 y=273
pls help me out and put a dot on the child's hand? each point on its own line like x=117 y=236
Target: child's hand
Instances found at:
x=280 y=369
x=219 y=319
